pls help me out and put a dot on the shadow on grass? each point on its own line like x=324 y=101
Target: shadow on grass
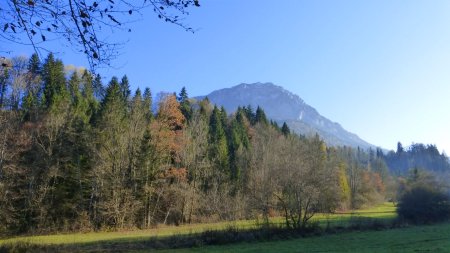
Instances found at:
x=209 y=237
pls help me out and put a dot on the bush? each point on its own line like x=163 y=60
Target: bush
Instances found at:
x=424 y=205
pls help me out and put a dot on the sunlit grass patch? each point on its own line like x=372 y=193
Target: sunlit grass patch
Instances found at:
x=384 y=211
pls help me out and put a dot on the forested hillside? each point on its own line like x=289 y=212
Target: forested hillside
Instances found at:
x=78 y=155
x=417 y=156
x=282 y=105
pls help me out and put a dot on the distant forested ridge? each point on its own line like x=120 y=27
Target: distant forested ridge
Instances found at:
x=79 y=155
x=417 y=156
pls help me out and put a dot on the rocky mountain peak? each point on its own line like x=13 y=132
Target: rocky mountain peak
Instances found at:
x=284 y=106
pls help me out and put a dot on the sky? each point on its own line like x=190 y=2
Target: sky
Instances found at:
x=380 y=68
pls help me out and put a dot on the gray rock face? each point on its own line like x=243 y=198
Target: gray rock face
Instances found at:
x=282 y=105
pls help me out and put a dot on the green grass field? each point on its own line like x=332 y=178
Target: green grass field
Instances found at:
x=413 y=239
x=384 y=211
x=135 y=235
x=435 y=238
x=332 y=243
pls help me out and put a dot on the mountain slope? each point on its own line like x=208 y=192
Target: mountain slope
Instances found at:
x=281 y=105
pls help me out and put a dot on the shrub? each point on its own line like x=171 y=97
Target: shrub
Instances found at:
x=424 y=205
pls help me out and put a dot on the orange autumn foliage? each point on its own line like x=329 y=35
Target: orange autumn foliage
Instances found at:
x=167 y=129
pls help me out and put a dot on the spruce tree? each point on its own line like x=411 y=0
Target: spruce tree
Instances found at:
x=125 y=88
x=285 y=129
x=30 y=101
x=238 y=142
x=242 y=123
x=99 y=90
x=260 y=116
x=34 y=65
x=185 y=105
x=250 y=114
x=81 y=99
x=218 y=141
x=88 y=92
x=74 y=89
x=147 y=163
x=55 y=89
x=114 y=99
x=224 y=118
x=112 y=178
x=183 y=95
x=148 y=103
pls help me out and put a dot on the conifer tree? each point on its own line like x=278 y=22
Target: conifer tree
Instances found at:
x=74 y=89
x=285 y=129
x=250 y=114
x=148 y=103
x=260 y=116
x=218 y=140
x=34 y=65
x=59 y=148
x=112 y=191
x=125 y=88
x=242 y=123
x=238 y=142
x=275 y=125
x=30 y=101
x=224 y=118
x=185 y=105
x=99 y=90
x=54 y=79
x=147 y=162
x=113 y=100
x=88 y=92
x=183 y=95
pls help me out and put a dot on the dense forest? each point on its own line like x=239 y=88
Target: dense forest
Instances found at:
x=80 y=155
x=417 y=156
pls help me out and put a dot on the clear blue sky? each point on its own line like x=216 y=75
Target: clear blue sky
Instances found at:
x=380 y=68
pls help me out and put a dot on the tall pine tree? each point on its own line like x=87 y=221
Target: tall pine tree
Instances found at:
x=218 y=140
x=185 y=105
x=55 y=89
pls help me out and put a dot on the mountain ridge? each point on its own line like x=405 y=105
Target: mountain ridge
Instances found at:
x=282 y=105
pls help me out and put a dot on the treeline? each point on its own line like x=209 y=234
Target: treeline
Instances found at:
x=77 y=155
x=417 y=156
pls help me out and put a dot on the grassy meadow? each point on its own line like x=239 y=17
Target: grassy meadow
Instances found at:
x=382 y=212
x=433 y=238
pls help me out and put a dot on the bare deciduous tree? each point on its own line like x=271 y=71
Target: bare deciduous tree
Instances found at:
x=84 y=25
x=195 y=159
